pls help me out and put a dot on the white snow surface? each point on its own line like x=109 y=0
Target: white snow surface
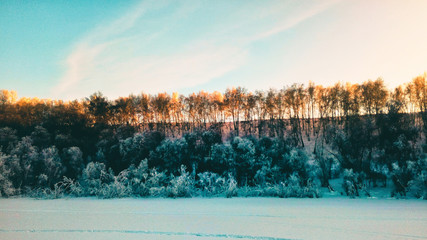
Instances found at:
x=213 y=218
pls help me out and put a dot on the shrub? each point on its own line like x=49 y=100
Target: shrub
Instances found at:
x=94 y=177
x=60 y=189
x=401 y=176
x=156 y=183
x=231 y=187
x=6 y=187
x=297 y=161
x=293 y=187
x=353 y=183
x=211 y=184
x=72 y=187
x=114 y=189
x=52 y=166
x=137 y=178
x=182 y=185
x=418 y=186
x=267 y=175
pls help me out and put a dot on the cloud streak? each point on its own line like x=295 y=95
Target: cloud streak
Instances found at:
x=147 y=49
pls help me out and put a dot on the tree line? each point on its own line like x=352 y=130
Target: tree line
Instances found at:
x=285 y=140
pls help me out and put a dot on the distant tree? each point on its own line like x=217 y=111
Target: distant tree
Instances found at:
x=143 y=110
x=234 y=102
x=8 y=97
x=98 y=108
x=160 y=104
x=123 y=111
x=374 y=96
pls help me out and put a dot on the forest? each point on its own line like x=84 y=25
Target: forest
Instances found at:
x=285 y=143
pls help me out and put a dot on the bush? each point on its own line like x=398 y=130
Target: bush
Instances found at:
x=267 y=175
x=94 y=178
x=6 y=187
x=182 y=185
x=65 y=187
x=353 y=183
x=297 y=161
x=418 y=186
x=231 y=187
x=114 y=189
x=137 y=178
x=293 y=187
x=401 y=176
x=72 y=187
x=156 y=183
x=211 y=184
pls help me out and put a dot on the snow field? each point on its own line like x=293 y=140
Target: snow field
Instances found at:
x=213 y=218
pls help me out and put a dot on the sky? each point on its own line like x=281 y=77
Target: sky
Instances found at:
x=70 y=49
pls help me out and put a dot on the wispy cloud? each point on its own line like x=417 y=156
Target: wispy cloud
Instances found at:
x=296 y=16
x=141 y=52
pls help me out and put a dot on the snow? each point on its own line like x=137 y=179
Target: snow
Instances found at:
x=213 y=218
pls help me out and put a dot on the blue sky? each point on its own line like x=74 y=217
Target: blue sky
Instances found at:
x=70 y=49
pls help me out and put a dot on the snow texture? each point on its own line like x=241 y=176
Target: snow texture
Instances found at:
x=213 y=218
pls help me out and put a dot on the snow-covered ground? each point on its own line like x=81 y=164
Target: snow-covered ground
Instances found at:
x=213 y=218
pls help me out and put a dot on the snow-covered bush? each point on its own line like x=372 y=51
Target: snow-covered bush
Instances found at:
x=72 y=187
x=24 y=163
x=93 y=178
x=156 y=183
x=297 y=162
x=401 y=175
x=6 y=187
x=52 y=165
x=137 y=178
x=268 y=175
x=418 y=186
x=46 y=192
x=293 y=187
x=231 y=189
x=211 y=184
x=182 y=185
x=62 y=188
x=353 y=183
x=97 y=181
x=115 y=189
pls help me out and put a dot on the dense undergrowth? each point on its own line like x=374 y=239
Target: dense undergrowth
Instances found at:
x=143 y=183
